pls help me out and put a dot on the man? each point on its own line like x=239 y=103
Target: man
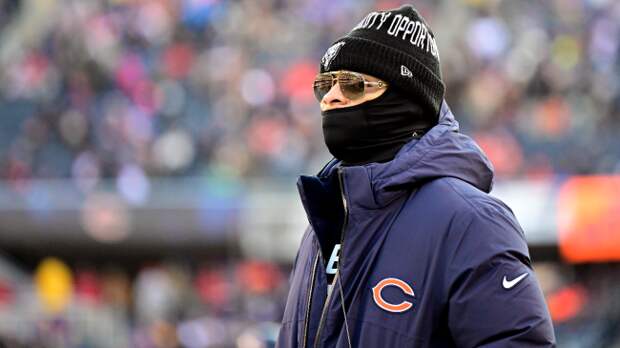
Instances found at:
x=405 y=247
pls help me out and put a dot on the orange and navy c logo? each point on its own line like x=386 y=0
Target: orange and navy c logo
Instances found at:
x=383 y=304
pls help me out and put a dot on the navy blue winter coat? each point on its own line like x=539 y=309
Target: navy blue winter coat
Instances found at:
x=428 y=257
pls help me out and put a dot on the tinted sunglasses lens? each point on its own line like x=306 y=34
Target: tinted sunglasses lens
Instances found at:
x=322 y=84
x=352 y=86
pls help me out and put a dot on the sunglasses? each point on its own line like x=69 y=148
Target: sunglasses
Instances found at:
x=352 y=84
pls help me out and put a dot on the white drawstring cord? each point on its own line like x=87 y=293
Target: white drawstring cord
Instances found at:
x=344 y=311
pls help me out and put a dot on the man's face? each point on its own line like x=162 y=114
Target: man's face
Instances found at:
x=334 y=99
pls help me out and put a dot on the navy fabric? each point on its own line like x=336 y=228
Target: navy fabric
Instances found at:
x=426 y=219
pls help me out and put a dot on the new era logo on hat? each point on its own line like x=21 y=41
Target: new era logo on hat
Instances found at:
x=405 y=71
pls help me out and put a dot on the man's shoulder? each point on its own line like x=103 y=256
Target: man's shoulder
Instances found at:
x=457 y=195
x=468 y=205
x=480 y=217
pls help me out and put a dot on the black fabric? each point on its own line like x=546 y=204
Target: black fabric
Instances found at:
x=396 y=46
x=375 y=130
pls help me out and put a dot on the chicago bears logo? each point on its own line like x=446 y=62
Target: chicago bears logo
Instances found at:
x=331 y=53
x=390 y=307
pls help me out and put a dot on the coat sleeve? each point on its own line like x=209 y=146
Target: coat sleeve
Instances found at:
x=494 y=299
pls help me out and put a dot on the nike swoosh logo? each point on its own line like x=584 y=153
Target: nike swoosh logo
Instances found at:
x=509 y=284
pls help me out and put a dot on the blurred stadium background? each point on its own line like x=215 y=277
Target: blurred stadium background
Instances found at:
x=149 y=152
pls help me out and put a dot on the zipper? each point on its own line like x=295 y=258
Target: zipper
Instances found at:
x=307 y=321
x=336 y=277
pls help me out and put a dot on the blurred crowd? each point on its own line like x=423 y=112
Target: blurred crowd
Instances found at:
x=236 y=304
x=584 y=302
x=129 y=89
x=166 y=304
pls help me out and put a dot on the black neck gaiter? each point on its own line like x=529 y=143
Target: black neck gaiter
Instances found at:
x=375 y=130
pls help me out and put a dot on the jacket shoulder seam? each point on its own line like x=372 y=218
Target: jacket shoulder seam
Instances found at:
x=475 y=209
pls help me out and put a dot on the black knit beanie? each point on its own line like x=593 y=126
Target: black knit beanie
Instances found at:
x=396 y=46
